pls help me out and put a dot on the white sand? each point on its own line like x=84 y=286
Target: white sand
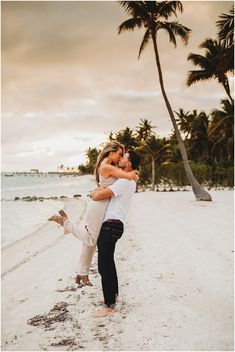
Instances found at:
x=175 y=268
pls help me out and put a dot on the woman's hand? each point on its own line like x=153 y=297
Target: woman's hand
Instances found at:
x=134 y=175
x=137 y=177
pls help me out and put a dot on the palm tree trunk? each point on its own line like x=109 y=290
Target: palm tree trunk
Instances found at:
x=153 y=174
x=199 y=192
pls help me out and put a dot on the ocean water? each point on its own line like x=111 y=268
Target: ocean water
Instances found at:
x=20 y=218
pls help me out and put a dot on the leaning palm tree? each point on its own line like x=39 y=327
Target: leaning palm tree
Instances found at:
x=153 y=16
x=213 y=65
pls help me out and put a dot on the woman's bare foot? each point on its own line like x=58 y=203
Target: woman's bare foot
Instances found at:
x=63 y=213
x=59 y=219
x=103 y=312
x=83 y=279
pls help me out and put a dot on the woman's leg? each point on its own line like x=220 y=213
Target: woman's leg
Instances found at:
x=82 y=232
x=89 y=232
x=86 y=259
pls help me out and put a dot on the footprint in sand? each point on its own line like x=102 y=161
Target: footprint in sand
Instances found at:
x=68 y=341
x=68 y=288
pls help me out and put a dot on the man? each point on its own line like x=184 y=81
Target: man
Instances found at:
x=112 y=229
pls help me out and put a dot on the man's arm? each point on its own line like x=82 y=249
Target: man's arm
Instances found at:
x=101 y=193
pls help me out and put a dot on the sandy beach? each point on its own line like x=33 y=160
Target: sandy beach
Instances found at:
x=175 y=268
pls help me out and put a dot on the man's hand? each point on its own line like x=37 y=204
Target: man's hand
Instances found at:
x=97 y=189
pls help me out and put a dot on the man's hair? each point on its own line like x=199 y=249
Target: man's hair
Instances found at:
x=134 y=159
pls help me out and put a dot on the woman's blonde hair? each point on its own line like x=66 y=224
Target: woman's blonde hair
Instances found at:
x=108 y=148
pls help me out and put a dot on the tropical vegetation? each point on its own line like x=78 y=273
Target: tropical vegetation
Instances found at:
x=201 y=144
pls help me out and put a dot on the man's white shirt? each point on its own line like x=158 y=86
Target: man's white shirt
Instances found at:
x=123 y=191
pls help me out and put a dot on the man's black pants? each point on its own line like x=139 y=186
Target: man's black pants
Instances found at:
x=110 y=233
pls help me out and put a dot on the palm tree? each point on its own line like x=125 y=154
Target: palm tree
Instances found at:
x=153 y=16
x=126 y=137
x=92 y=154
x=199 y=143
x=144 y=129
x=111 y=136
x=221 y=131
x=185 y=120
x=195 y=127
x=214 y=64
x=157 y=150
x=61 y=167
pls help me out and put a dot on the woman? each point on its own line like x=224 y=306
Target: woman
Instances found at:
x=106 y=174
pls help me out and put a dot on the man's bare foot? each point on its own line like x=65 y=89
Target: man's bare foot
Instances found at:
x=103 y=312
x=100 y=302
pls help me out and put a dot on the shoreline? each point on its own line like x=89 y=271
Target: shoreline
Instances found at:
x=30 y=245
x=63 y=199
x=175 y=269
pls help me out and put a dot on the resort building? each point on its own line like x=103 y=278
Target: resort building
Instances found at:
x=68 y=169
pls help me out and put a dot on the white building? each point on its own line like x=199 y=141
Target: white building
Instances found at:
x=34 y=171
x=68 y=169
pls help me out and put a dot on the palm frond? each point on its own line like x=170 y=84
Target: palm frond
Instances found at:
x=199 y=60
x=166 y=147
x=226 y=28
x=227 y=106
x=212 y=46
x=216 y=59
x=135 y=8
x=164 y=25
x=196 y=76
x=229 y=58
x=174 y=28
x=130 y=24
x=151 y=6
x=217 y=126
x=167 y=8
x=145 y=41
x=176 y=5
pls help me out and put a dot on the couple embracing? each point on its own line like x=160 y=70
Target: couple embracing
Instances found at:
x=105 y=219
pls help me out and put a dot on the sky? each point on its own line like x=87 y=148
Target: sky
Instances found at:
x=68 y=78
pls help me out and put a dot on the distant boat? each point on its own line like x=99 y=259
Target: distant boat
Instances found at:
x=8 y=175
